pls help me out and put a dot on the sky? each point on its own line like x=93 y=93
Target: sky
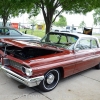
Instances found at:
x=74 y=19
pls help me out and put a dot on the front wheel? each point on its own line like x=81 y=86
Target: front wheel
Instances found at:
x=50 y=81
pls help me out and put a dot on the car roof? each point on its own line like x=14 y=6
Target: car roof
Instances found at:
x=7 y=27
x=76 y=34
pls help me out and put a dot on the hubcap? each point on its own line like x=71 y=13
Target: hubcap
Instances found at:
x=50 y=79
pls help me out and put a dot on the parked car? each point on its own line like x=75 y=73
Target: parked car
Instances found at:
x=58 y=55
x=55 y=29
x=71 y=29
x=7 y=32
x=65 y=29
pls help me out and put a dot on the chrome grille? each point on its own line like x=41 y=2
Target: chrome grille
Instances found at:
x=15 y=65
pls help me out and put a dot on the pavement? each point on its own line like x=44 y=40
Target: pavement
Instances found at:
x=81 y=86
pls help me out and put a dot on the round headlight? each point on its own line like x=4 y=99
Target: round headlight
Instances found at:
x=28 y=71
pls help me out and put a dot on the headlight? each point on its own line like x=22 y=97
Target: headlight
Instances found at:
x=27 y=71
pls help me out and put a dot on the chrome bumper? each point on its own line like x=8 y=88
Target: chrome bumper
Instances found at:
x=30 y=82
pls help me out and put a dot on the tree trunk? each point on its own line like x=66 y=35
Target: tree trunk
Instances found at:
x=48 y=15
x=48 y=20
x=48 y=26
x=5 y=19
x=48 y=12
x=4 y=22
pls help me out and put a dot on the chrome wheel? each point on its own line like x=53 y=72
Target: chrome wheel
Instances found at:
x=50 y=81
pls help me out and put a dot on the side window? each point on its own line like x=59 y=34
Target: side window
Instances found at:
x=94 y=43
x=1 y=33
x=71 y=39
x=83 y=44
x=7 y=32
x=4 y=31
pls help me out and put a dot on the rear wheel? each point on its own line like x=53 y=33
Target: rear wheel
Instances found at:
x=50 y=81
x=97 y=66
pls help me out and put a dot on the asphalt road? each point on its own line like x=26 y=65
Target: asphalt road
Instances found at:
x=81 y=86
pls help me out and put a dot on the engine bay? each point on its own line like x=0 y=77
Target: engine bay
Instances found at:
x=27 y=52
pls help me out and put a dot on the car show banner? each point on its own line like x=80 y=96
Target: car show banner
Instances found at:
x=87 y=31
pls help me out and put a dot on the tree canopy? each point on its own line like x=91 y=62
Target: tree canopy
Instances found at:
x=49 y=8
x=8 y=8
x=12 y=8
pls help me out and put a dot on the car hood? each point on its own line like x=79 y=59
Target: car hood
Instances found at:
x=23 y=44
x=22 y=37
x=32 y=36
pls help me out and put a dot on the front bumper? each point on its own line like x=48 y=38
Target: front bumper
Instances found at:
x=30 y=82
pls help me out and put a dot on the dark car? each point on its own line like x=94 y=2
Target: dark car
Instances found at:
x=7 y=32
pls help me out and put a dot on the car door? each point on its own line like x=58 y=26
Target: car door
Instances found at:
x=84 y=55
x=95 y=47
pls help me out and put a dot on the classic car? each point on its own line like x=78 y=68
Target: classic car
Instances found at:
x=12 y=33
x=58 y=55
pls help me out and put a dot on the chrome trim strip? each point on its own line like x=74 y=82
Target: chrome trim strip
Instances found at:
x=89 y=58
x=30 y=82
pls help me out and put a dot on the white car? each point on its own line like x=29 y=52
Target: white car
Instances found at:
x=58 y=29
x=64 y=29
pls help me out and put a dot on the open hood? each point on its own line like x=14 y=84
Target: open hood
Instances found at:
x=23 y=44
x=26 y=50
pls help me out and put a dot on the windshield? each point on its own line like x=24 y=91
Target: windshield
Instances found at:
x=63 y=40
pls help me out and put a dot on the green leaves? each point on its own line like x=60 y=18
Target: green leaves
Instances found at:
x=7 y=10
x=12 y=8
x=82 y=24
x=61 y=22
x=79 y=6
x=96 y=16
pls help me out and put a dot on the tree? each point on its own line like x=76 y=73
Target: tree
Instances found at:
x=49 y=8
x=61 y=22
x=82 y=24
x=96 y=16
x=33 y=21
x=8 y=8
x=12 y=8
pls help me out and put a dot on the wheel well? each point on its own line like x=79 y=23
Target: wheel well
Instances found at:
x=61 y=71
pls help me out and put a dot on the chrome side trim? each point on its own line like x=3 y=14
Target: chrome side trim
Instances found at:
x=30 y=82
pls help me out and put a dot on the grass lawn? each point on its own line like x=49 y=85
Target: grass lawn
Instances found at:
x=39 y=33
